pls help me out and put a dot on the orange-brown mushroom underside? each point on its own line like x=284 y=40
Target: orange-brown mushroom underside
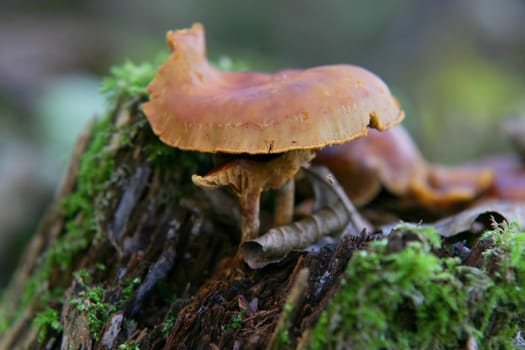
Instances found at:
x=193 y=106
x=393 y=161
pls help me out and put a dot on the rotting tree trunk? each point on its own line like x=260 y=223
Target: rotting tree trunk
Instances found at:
x=131 y=253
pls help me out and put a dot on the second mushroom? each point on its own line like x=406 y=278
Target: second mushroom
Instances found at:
x=264 y=127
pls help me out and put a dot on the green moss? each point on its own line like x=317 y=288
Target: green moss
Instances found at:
x=127 y=289
x=161 y=156
x=234 y=323
x=284 y=335
x=131 y=80
x=168 y=323
x=411 y=299
x=95 y=169
x=47 y=319
x=83 y=277
x=127 y=82
x=4 y=323
x=505 y=302
x=96 y=166
x=78 y=208
x=91 y=302
x=100 y=267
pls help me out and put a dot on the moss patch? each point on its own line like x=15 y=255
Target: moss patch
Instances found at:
x=78 y=211
x=79 y=229
x=94 y=300
x=125 y=86
x=127 y=81
x=411 y=299
x=47 y=319
x=130 y=80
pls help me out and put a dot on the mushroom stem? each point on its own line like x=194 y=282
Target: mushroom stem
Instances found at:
x=247 y=178
x=249 y=203
x=284 y=204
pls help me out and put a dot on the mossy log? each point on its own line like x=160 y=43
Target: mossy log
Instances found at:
x=131 y=255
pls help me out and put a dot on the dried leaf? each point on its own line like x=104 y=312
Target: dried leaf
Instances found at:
x=481 y=217
x=273 y=246
x=476 y=220
x=327 y=188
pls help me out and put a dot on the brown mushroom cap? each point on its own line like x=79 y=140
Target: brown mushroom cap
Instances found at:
x=193 y=106
x=509 y=177
x=364 y=166
x=393 y=161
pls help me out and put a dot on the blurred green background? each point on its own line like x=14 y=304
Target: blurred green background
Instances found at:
x=458 y=68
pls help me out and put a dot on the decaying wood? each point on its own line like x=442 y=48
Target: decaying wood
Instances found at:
x=50 y=226
x=293 y=305
x=154 y=225
x=177 y=243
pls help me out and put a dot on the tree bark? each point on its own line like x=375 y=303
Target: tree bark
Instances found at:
x=154 y=263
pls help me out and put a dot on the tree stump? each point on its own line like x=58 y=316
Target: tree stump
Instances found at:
x=132 y=254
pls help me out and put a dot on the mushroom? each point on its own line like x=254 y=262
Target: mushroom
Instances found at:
x=509 y=177
x=267 y=124
x=391 y=160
